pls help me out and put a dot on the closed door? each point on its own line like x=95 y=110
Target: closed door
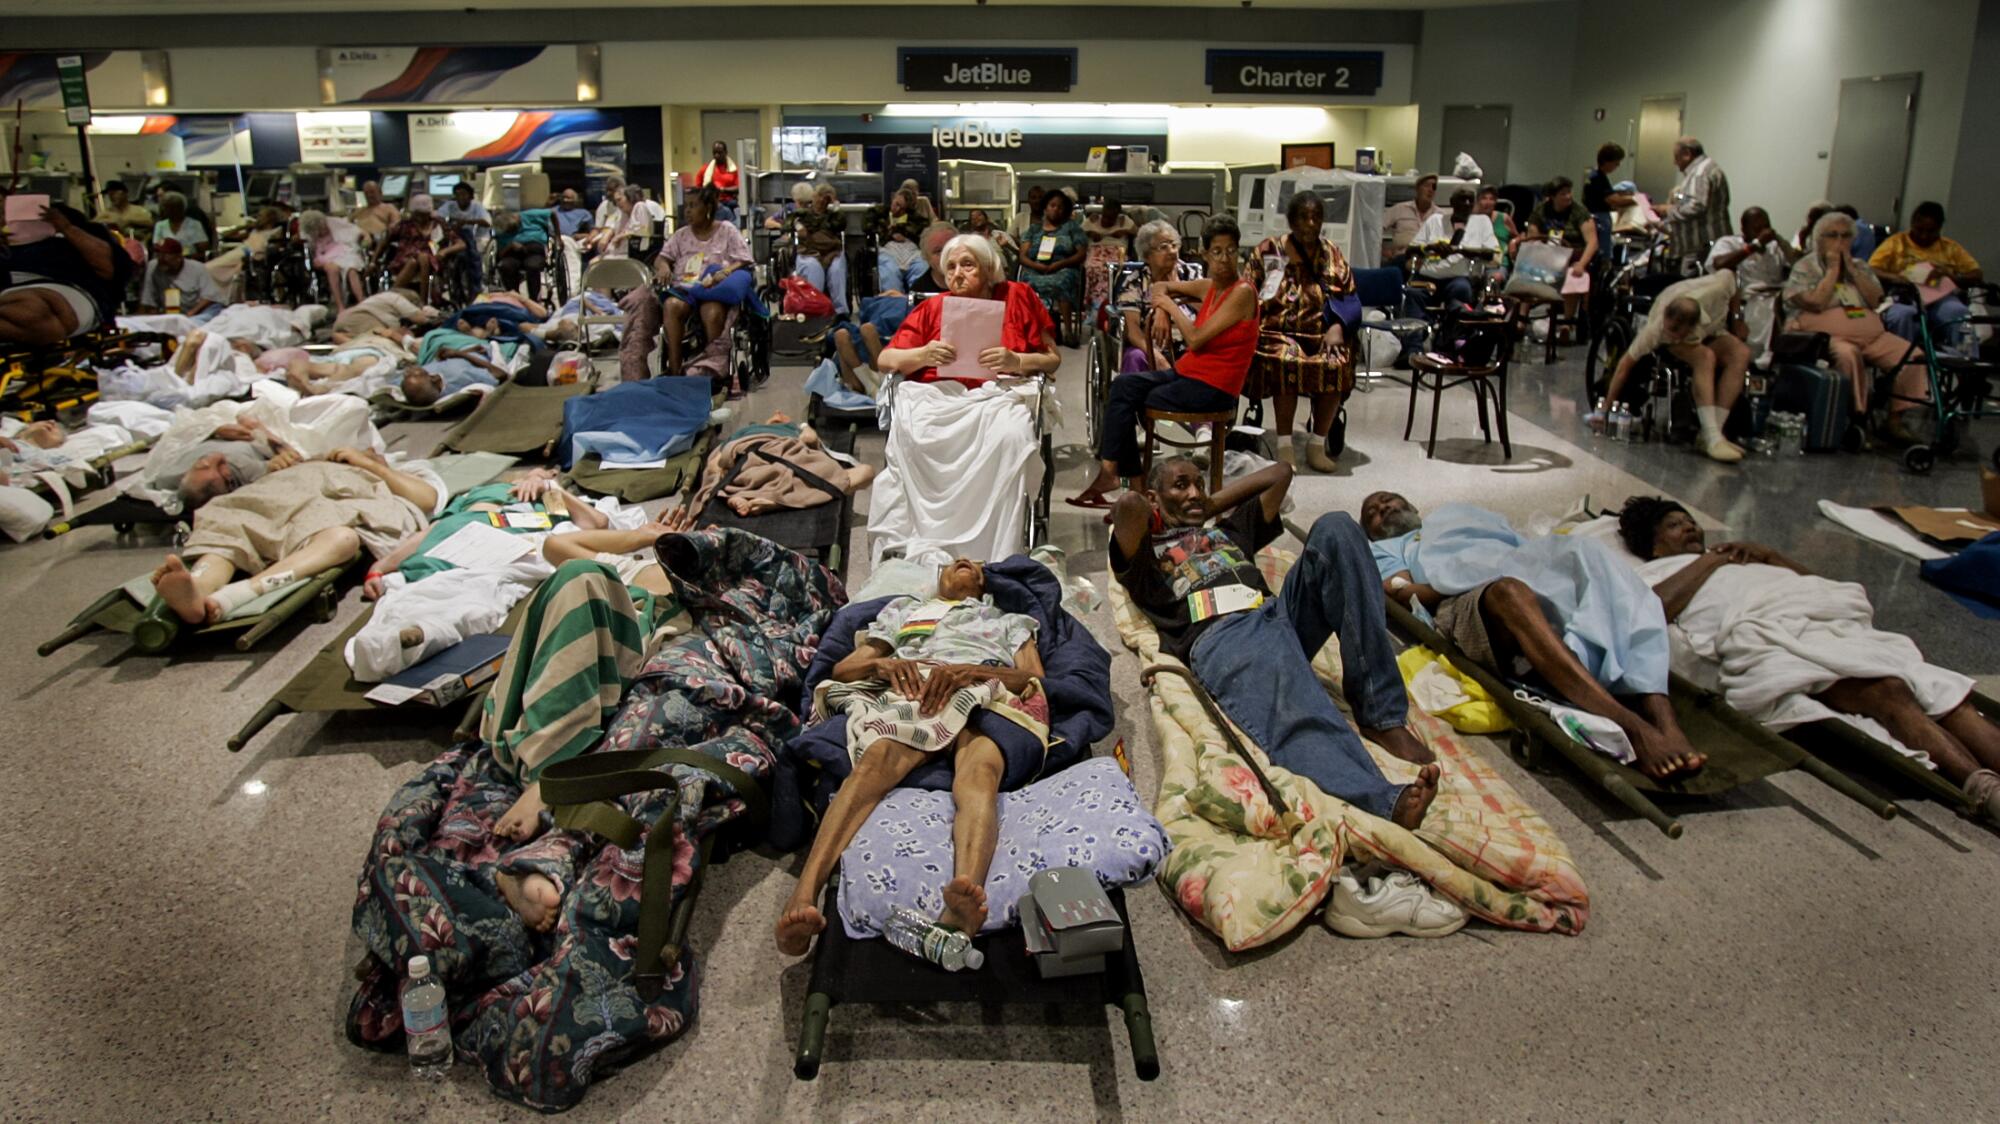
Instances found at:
x=1653 y=159
x=1479 y=131
x=730 y=126
x=1871 y=145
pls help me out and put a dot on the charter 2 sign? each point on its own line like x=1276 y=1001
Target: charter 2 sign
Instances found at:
x=1324 y=74
x=956 y=70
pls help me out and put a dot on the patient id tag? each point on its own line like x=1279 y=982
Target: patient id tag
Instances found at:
x=923 y=620
x=1048 y=247
x=1221 y=601
x=691 y=268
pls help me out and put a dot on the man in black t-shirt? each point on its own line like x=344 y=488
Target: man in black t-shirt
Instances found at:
x=1188 y=560
x=60 y=279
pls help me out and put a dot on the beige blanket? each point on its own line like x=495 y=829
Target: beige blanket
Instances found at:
x=264 y=521
x=761 y=479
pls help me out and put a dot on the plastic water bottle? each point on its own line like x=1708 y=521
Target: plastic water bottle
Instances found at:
x=424 y=1024
x=920 y=936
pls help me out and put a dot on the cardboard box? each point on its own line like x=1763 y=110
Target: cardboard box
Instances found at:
x=1042 y=947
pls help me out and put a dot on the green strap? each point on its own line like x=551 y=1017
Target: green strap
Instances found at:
x=579 y=793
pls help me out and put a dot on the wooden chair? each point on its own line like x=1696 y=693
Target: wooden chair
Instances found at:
x=1492 y=336
x=1218 y=423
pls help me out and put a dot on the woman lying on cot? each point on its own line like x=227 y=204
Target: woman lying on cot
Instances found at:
x=910 y=690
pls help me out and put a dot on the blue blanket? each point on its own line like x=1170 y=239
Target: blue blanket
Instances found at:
x=1609 y=618
x=1972 y=576
x=1077 y=677
x=635 y=423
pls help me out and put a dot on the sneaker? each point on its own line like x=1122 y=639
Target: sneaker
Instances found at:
x=1398 y=902
x=1723 y=450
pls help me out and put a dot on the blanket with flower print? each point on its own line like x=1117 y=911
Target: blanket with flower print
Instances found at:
x=1236 y=869
x=543 y=1013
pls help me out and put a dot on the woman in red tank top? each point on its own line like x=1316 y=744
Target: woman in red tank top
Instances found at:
x=1206 y=379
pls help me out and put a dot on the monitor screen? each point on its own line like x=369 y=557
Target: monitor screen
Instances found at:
x=55 y=187
x=185 y=185
x=395 y=185
x=308 y=186
x=441 y=184
x=263 y=186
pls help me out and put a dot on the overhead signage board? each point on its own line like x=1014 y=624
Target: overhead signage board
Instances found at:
x=337 y=137
x=508 y=136
x=1314 y=74
x=1015 y=70
x=75 y=89
x=1025 y=140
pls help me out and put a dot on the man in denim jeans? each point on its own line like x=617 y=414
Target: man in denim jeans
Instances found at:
x=1188 y=560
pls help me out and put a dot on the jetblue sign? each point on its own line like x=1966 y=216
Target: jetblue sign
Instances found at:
x=1321 y=74
x=957 y=70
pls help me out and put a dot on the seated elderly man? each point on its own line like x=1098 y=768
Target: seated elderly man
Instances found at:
x=1401 y=222
x=175 y=284
x=1698 y=321
x=1188 y=560
x=1761 y=260
x=1923 y=256
x=958 y=453
x=1564 y=607
x=912 y=688
x=1791 y=647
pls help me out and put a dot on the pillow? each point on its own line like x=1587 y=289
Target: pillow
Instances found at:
x=896 y=576
x=1604 y=529
x=1088 y=816
x=23 y=514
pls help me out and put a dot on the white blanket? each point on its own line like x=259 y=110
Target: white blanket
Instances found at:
x=220 y=371
x=956 y=480
x=313 y=426
x=1775 y=638
x=265 y=325
x=446 y=608
x=140 y=419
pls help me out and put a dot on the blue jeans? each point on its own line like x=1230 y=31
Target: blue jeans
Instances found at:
x=831 y=280
x=1162 y=390
x=1258 y=665
x=889 y=277
x=1948 y=327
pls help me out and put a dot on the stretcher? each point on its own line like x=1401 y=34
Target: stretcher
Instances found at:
x=846 y=970
x=821 y=531
x=132 y=610
x=1739 y=749
x=515 y=419
x=387 y=406
x=325 y=685
x=101 y=473
x=154 y=628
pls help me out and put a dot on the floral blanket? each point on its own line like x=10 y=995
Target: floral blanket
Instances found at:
x=1250 y=876
x=544 y=1013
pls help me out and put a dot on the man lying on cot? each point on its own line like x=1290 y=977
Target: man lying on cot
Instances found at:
x=452 y=372
x=910 y=689
x=291 y=523
x=391 y=308
x=1188 y=560
x=1562 y=606
x=1792 y=647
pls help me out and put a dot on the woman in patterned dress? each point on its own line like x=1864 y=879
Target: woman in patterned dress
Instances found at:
x=1303 y=345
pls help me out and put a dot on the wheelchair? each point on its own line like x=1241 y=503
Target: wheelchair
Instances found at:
x=748 y=365
x=1620 y=306
x=1963 y=388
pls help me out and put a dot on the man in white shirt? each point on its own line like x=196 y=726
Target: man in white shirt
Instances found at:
x=1401 y=222
x=175 y=284
x=472 y=220
x=1761 y=261
x=1699 y=322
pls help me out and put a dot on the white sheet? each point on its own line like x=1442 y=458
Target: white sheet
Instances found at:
x=1777 y=638
x=313 y=426
x=958 y=464
x=1871 y=524
x=447 y=607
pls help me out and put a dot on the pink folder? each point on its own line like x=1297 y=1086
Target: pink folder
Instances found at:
x=970 y=326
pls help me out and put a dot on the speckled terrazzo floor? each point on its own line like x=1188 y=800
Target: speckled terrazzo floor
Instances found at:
x=178 y=944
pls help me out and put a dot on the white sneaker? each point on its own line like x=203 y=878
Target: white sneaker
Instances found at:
x=1724 y=450
x=1396 y=903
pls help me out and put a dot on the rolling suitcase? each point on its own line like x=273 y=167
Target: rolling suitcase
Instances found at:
x=1818 y=393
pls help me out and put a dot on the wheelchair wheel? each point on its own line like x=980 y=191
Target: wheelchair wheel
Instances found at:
x=1095 y=386
x=1920 y=459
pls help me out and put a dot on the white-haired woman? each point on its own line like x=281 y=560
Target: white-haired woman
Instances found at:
x=961 y=444
x=1832 y=291
x=822 y=235
x=638 y=217
x=336 y=252
x=1149 y=333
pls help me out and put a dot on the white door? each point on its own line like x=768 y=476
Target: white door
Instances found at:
x=1871 y=145
x=1480 y=131
x=1653 y=161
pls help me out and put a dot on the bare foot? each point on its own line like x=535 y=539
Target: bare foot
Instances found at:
x=533 y=896
x=1416 y=799
x=751 y=505
x=176 y=587
x=797 y=927
x=1664 y=754
x=1400 y=741
x=859 y=477
x=523 y=821
x=964 y=906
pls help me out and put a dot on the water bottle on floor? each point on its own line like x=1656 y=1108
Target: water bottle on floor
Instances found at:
x=424 y=1024
x=920 y=936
